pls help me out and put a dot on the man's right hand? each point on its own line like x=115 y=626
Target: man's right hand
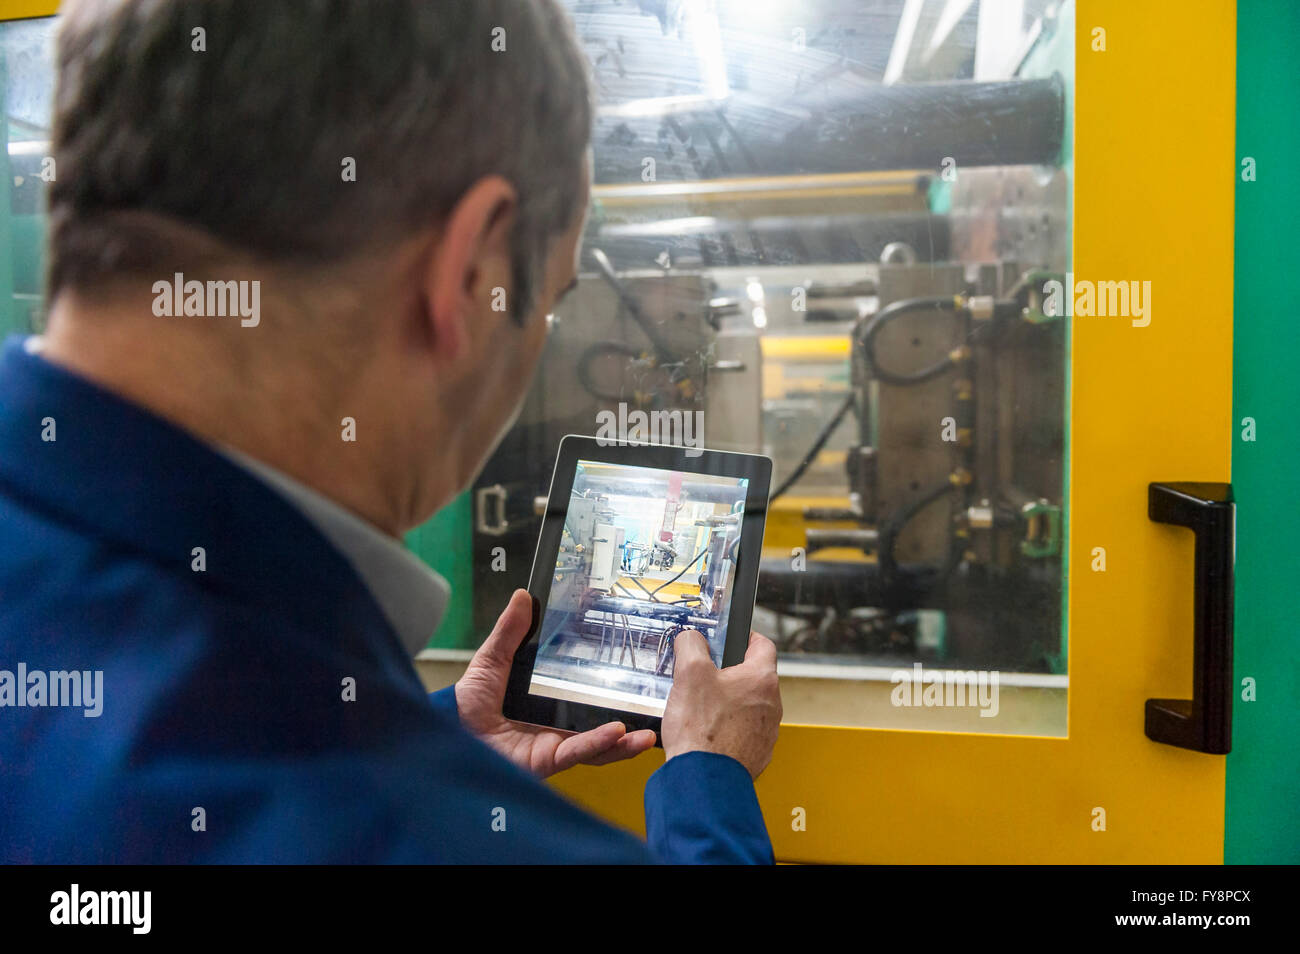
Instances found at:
x=734 y=711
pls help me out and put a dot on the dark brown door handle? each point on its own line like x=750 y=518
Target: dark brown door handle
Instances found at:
x=1204 y=722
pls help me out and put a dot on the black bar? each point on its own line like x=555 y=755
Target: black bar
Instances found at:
x=1204 y=722
x=912 y=126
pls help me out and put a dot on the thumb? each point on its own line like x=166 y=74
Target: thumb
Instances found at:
x=513 y=625
x=690 y=646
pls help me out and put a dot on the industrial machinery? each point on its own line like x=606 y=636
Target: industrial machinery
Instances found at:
x=846 y=275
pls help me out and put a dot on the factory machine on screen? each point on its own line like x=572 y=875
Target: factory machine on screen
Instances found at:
x=645 y=555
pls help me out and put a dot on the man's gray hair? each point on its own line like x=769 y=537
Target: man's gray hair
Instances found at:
x=236 y=118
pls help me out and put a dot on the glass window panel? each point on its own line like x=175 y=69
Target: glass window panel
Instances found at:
x=815 y=223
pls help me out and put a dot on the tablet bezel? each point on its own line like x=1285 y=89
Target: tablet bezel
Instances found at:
x=523 y=706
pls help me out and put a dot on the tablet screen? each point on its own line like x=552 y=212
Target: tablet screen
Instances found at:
x=644 y=555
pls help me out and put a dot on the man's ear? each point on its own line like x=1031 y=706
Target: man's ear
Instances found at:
x=470 y=260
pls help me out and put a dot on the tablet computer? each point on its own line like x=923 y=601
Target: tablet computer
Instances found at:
x=639 y=542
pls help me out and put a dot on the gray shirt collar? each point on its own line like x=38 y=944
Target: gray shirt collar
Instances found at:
x=412 y=596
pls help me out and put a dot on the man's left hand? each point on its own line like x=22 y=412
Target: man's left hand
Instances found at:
x=481 y=692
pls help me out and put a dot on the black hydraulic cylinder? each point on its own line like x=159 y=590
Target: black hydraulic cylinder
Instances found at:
x=914 y=126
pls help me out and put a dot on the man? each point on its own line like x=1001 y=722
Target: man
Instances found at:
x=280 y=235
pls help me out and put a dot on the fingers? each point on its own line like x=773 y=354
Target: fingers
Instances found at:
x=690 y=648
x=600 y=746
x=761 y=651
x=588 y=745
x=512 y=627
x=630 y=746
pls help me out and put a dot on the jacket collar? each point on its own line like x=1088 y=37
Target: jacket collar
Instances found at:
x=115 y=471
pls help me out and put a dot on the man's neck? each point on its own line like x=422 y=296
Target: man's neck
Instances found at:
x=235 y=393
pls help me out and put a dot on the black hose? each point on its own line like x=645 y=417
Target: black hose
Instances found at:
x=867 y=338
x=598 y=350
x=663 y=351
x=641 y=586
x=679 y=575
x=893 y=526
x=816 y=448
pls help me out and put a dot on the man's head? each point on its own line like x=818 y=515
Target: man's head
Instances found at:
x=406 y=179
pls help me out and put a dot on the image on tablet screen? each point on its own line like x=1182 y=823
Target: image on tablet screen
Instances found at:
x=644 y=555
